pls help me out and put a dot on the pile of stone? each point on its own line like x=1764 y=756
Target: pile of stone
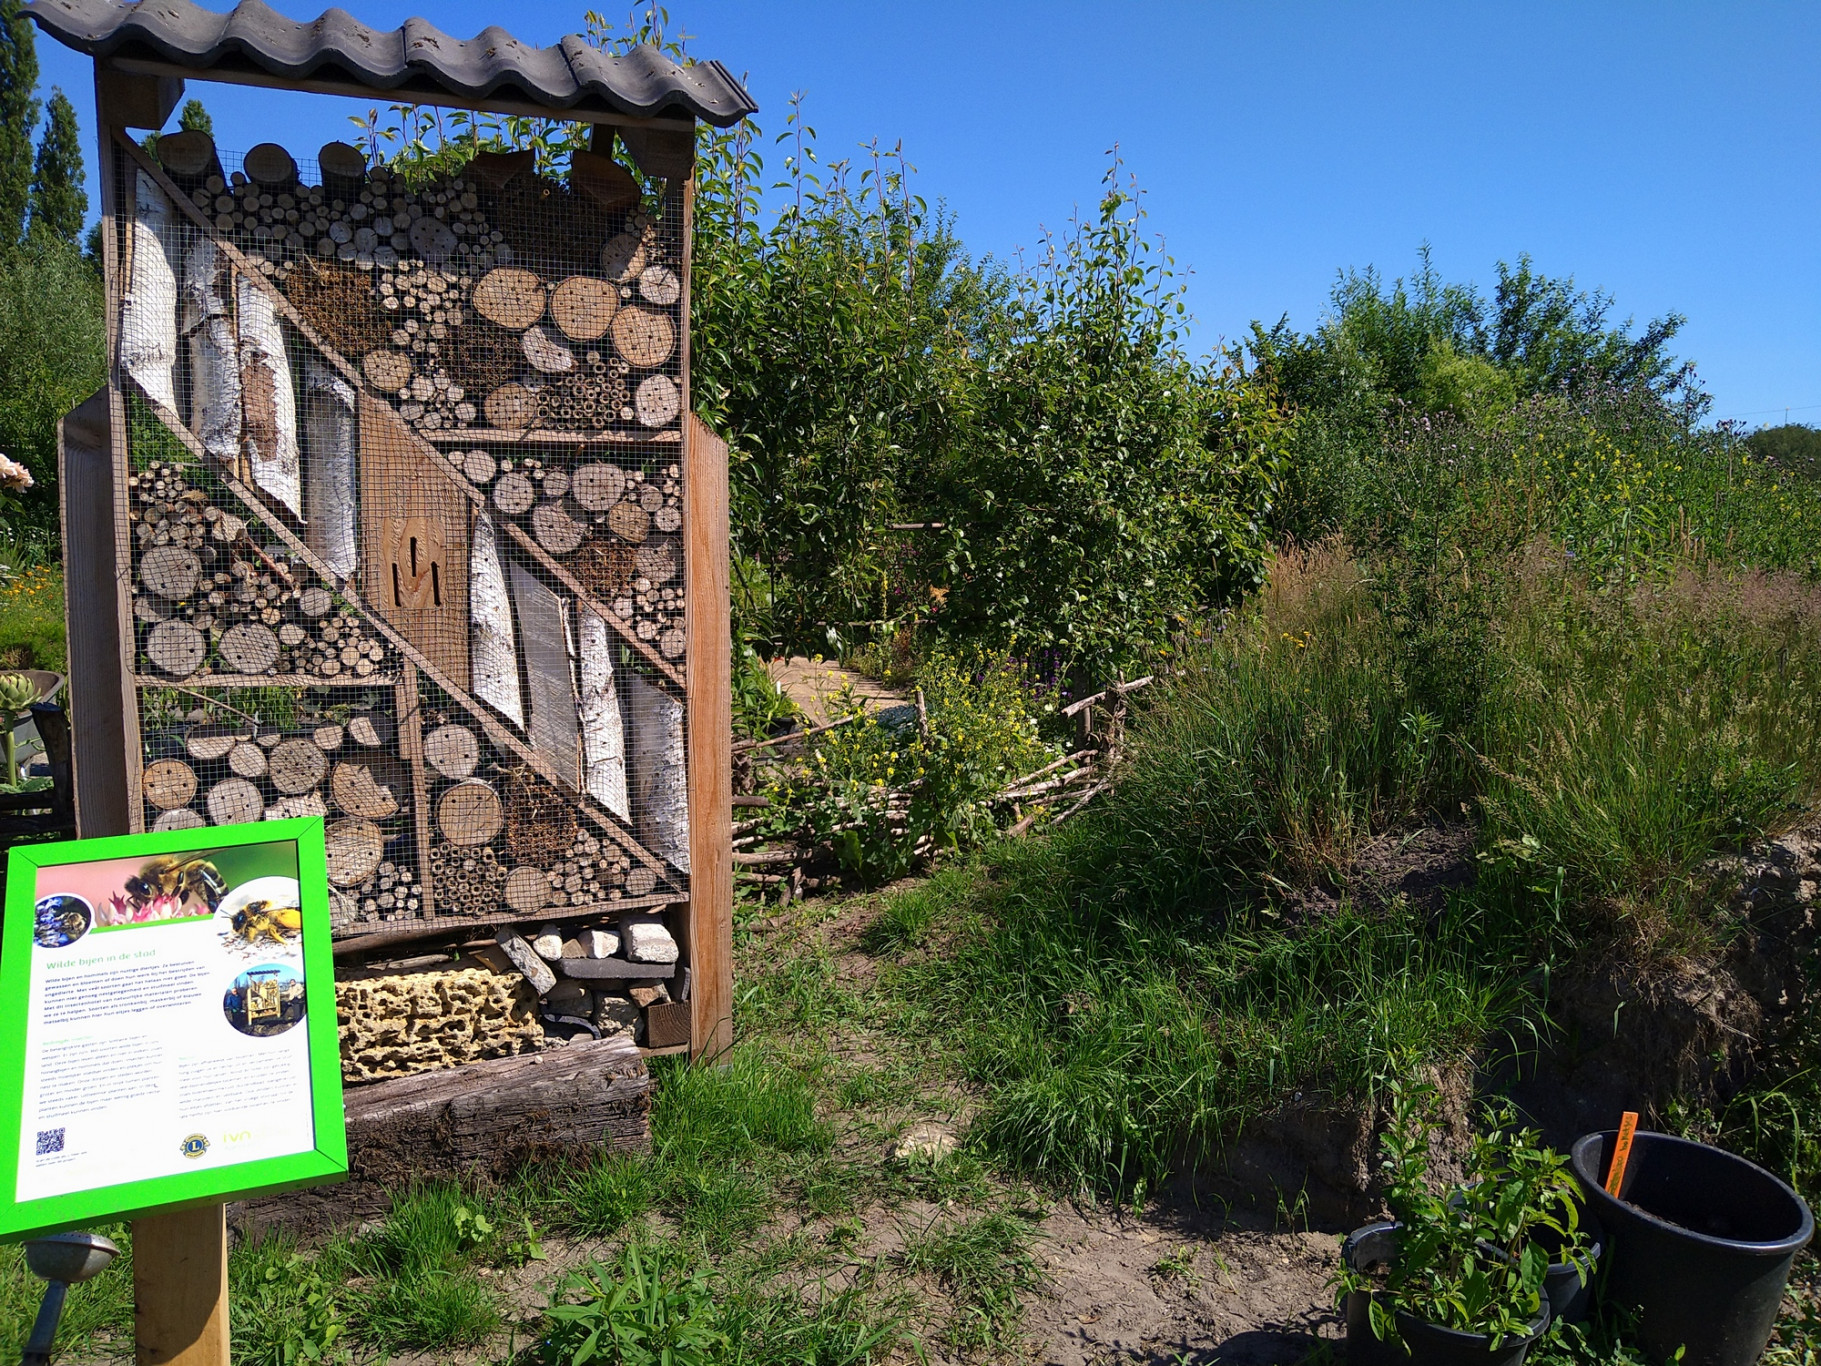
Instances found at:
x=602 y=979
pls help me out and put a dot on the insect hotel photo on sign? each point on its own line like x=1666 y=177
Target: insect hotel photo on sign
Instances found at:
x=393 y=519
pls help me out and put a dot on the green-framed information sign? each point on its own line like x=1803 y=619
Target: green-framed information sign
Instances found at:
x=167 y=1024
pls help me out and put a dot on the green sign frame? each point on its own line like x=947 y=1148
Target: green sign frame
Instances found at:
x=325 y=1161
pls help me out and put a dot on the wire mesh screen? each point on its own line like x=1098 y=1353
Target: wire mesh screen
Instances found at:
x=405 y=516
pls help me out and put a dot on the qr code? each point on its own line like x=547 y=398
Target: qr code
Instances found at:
x=50 y=1141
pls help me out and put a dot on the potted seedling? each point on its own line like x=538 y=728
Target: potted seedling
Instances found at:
x=1461 y=1273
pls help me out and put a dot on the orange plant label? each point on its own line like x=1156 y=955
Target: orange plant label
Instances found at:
x=1621 y=1152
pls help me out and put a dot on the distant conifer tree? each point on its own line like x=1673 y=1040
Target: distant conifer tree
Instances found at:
x=59 y=203
x=18 y=114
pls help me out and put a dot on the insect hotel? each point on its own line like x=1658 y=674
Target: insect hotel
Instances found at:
x=393 y=512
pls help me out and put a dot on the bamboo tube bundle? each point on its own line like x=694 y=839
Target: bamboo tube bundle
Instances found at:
x=468 y=880
x=269 y=407
x=148 y=312
x=659 y=782
x=330 y=438
x=208 y=325
x=492 y=647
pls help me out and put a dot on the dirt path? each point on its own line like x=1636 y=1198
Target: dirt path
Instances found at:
x=814 y=685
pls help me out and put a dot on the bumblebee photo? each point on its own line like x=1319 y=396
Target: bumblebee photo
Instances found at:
x=60 y=920
x=263 y=916
x=265 y=1000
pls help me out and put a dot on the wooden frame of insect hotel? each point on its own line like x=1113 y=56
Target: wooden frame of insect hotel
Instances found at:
x=393 y=511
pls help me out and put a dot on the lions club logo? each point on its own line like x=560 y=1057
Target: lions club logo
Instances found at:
x=194 y=1146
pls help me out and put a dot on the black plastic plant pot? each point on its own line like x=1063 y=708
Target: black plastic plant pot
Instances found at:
x=1569 y=1292
x=1429 y=1344
x=1698 y=1245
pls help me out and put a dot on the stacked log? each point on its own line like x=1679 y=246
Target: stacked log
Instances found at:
x=392 y=893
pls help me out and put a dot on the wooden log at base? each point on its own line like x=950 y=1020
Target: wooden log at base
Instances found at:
x=176 y=647
x=582 y=307
x=269 y=166
x=470 y=814
x=479 y=1123
x=344 y=170
x=235 y=801
x=168 y=783
x=297 y=766
x=188 y=157
x=355 y=848
x=452 y=751
x=248 y=648
x=511 y=297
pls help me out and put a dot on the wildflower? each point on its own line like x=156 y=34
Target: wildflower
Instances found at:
x=14 y=476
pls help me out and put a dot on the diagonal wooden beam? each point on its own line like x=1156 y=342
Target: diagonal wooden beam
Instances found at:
x=667 y=671
x=498 y=734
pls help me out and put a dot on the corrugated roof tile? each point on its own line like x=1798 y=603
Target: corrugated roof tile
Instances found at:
x=571 y=76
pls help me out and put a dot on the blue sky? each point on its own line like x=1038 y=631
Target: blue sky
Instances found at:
x=1666 y=153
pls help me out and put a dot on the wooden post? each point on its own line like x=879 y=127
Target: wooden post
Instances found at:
x=180 y=1288
x=710 y=723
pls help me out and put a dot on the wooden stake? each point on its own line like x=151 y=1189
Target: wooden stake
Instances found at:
x=180 y=1288
x=1621 y=1153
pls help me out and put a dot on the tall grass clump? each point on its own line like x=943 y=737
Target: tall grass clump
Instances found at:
x=1638 y=730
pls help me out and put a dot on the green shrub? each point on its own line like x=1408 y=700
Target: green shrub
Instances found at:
x=32 y=623
x=980 y=734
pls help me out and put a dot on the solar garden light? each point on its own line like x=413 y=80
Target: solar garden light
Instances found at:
x=62 y=1259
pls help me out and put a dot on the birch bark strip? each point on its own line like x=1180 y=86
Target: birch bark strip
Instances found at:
x=492 y=648
x=552 y=724
x=270 y=430
x=660 y=787
x=603 y=729
x=208 y=322
x=330 y=441
x=148 y=314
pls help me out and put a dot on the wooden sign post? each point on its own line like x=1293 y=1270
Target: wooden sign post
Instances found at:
x=168 y=1042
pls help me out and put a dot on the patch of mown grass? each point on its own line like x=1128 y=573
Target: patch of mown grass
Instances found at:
x=984 y=1263
x=413 y=1284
